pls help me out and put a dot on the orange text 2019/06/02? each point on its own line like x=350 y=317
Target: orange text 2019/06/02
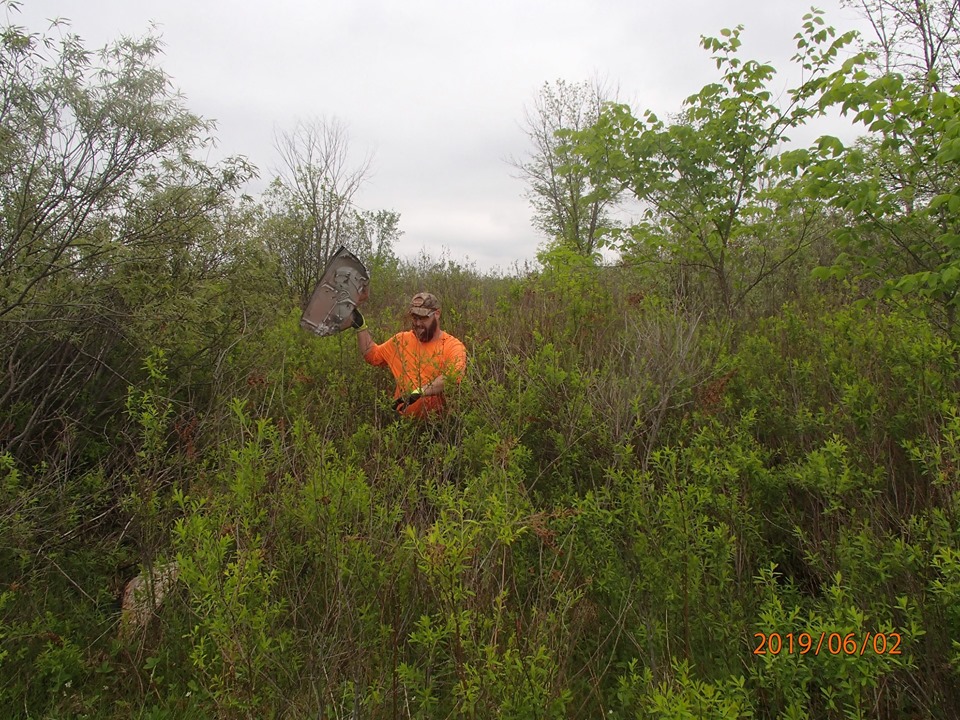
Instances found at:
x=832 y=643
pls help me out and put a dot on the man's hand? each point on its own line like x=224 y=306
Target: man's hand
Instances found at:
x=406 y=400
x=358 y=322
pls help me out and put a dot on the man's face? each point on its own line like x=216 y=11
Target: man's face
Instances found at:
x=425 y=326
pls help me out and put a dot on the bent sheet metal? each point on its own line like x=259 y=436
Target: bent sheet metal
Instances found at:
x=344 y=285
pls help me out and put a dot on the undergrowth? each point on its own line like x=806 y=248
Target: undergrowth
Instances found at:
x=633 y=509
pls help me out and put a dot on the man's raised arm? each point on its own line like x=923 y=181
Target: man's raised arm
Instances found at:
x=364 y=340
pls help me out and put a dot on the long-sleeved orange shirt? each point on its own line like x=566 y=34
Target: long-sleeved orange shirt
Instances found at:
x=415 y=364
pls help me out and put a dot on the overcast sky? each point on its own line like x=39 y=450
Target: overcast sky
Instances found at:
x=434 y=90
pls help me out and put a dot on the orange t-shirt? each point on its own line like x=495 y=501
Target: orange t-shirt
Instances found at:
x=415 y=364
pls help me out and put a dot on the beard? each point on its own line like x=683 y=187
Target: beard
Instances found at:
x=426 y=333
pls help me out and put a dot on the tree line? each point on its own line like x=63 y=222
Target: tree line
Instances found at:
x=116 y=238
x=730 y=203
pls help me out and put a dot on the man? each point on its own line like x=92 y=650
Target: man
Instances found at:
x=422 y=360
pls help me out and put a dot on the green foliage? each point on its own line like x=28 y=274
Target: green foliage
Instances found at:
x=627 y=495
x=569 y=542
x=898 y=190
x=114 y=238
x=720 y=193
x=684 y=697
x=236 y=644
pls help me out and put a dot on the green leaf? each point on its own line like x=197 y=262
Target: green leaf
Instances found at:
x=950 y=151
x=950 y=275
x=907 y=284
x=828 y=272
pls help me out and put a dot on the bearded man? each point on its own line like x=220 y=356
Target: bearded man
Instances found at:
x=422 y=360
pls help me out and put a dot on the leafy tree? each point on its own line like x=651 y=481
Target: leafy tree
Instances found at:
x=108 y=226
x=718 y=186
x=897 y=187
x=899 y=191
x=560 y=188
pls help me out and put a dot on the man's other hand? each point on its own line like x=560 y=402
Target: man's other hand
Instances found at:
x=405 y=401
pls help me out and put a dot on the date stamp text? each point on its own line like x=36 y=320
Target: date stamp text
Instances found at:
x=832 y=643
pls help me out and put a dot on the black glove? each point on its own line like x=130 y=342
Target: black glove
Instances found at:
x=358 y=322
x=405 y=401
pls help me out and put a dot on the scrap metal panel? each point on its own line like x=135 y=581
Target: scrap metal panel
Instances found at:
x=344 y=285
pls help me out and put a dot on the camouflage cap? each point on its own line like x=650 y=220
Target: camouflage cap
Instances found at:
x=423 y=304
